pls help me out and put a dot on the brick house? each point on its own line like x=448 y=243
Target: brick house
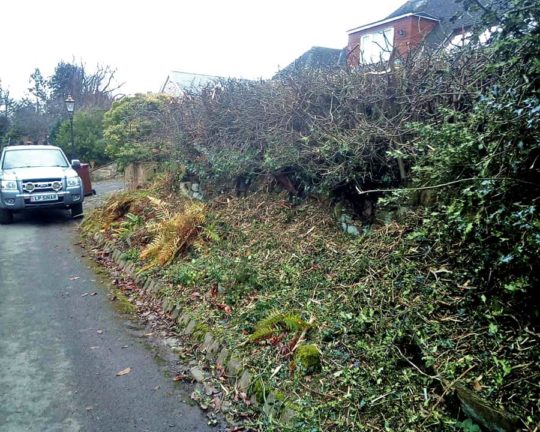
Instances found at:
x=434 y=23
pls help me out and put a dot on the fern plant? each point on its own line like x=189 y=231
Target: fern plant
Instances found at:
x=277 y=322
x=128 y=226
x=172 y=233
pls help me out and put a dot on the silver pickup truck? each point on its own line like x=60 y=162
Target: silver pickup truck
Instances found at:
x=38 y=176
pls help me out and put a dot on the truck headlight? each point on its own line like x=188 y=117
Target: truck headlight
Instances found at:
x=73 y=181
x=8 y=185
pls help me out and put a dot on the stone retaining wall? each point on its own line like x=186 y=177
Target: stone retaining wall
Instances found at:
x=138 y=174
x=106 y=172
x=213 y=350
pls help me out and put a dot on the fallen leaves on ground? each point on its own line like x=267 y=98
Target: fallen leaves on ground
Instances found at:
x=124 y=372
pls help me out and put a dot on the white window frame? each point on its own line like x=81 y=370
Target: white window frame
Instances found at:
x=376 y=47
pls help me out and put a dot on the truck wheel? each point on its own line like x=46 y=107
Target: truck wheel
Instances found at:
x=6 y=216
x=76 y=210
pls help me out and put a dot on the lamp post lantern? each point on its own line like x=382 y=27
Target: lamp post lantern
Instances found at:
x=70 y=107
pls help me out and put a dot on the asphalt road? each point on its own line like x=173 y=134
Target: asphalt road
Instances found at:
x=60 y=350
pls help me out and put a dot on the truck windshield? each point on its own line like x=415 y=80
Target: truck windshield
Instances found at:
x=32 y=158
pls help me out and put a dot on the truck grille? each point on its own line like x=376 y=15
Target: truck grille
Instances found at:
x=42 y=185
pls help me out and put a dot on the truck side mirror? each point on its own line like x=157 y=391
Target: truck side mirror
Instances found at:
x=75 y=163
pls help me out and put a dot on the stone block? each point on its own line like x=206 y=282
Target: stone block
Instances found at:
x=168 y=305
x=190 y=328
x=197 y=374
x=208 y=339
x=244 y=382
x=138 y=174
x=183 y=319
x=176 y=312
x=234 y=367
x=223 y=356
x=212 y=350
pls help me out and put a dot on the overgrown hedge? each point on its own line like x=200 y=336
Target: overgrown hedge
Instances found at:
x=466 y=117
x=323 y=128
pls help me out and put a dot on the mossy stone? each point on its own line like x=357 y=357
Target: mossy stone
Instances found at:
x=308 y=358
x=200 y=331
x=259 y=390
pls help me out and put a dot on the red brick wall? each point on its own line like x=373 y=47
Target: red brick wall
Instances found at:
x=413 y=31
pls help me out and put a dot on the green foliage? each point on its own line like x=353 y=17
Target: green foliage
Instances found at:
x=383 y=301
x=488 y=221
x=469 y=426
x=128 y=226
x=131 y=255
x=89 y=144
x=184 y=274
x=277 y=322
x=139 y=128
x=200 y=331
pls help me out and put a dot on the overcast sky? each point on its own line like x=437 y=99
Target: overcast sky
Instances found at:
x=144 y=40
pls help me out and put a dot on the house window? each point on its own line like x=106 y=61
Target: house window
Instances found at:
x=377 y=46
x=462 y=38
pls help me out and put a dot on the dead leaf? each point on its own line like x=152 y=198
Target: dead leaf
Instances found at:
x=217 y=403
x=225 y=308
x=178 y=378
x=123 y=372
x=477 y=386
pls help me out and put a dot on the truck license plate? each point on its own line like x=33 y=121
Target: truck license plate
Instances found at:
x=43 y=197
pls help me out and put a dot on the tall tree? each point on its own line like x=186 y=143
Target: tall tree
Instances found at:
x=38 y=89
x=27 y=124
x=89 y=144
x=5 y=107
x=90 y=90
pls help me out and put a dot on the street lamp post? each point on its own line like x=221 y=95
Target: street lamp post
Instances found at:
x=70 y=106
